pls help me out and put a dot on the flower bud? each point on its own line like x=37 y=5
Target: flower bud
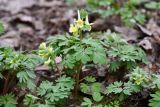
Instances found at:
x=42 y=45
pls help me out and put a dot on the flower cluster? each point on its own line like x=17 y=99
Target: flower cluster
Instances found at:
x=46 y=53
x=79 y=25
x=139 y=76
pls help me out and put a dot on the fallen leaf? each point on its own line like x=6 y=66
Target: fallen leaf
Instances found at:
x=144 y=30
x=129 y=34
x=14 y=6
x=11 y=39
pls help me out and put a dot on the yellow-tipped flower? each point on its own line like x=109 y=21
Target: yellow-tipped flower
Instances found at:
x=79 y=16
x=50 y=49
x=42 y=45
x=139 y=80
x=42 y=54
x=80 y=23
x=73 y=29
x=47 y=62
x=87 y=21
x=88 y=24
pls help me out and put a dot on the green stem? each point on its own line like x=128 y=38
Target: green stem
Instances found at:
x=78 y=69
x=81 y=36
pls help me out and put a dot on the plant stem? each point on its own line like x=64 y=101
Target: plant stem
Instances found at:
x=81 y=36
x=78 y=69
x=11 y=81
x=5 y=88
x=77 y=80
x=59 y=71
x=81 y=80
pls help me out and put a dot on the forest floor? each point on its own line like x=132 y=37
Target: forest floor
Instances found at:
x=30 y=22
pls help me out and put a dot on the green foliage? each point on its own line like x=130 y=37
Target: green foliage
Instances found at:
x=47 y=54
x=96 y=86
x=113 y=39
x=153 y=5
x=97 y=96
x=116 y=87
x=125 y=53
x=75 y=51
x=18 y=65
x=1 y=28
x=122 y=89
x=144 y=79
x=95 y=3
x=8 y=100
x=85 y=87
x=83 y=14
x=126 y=88
x=155 y=101
x=90 y=79
x=156 y=81
x=56 y=92
x=139 y=76
x=127 y=11
x=113 y=104
x=30 y=99
x=121 y=54
x=50 y=92
x=87 y=102
x=93 y=87
x=33 y=101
